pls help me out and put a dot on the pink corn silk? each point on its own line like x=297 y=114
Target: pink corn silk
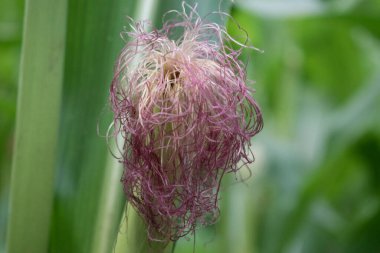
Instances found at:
x=186 y=116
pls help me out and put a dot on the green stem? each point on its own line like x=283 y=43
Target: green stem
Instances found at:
x=132 y=237
x=110 y=204
x=38 y=107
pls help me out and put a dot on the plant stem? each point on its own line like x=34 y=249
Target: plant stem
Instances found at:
x=38 y=107
x=133 y=235
x=110 y=204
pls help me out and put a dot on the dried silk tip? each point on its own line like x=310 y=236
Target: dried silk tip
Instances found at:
x=186 y=117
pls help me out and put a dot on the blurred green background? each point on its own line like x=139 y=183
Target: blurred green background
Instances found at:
x=315 y=185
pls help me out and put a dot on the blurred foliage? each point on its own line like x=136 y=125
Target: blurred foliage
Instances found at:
x=315 y=180
x=11 y=12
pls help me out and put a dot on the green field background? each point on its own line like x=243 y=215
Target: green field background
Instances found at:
x=315 y=183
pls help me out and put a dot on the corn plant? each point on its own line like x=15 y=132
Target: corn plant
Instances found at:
x=314 y=184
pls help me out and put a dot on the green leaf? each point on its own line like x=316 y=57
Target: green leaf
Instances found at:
x=37 y=122
x=92 y=45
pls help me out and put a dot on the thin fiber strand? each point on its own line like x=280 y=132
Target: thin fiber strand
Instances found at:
x=186 y=116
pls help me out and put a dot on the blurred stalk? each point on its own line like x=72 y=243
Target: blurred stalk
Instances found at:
x=38 y=106
x=147 y=9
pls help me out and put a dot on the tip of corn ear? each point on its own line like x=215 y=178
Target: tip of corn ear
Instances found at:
x=187 y=117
